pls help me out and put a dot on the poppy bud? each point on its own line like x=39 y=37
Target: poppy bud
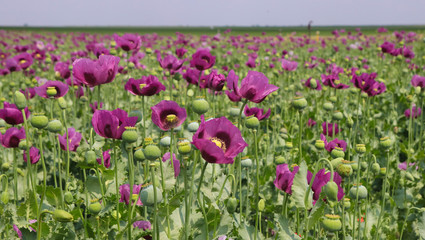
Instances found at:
x=68 y=198
x=234 y=112
x=409 y=176
x=350 y=122
x=418 y=90
x=129 y=135
x=20 y=100
x=147 y=196
x=328 y=106
x=90 y=157
x=362 y=192
x=200 y=106
x=289 y=145
x=95 y=207
x=332 y=223
x=252 y=123
x=5 y=166
x=337 y=115
x=344 y=170
x=184 y=147
x=333 y=99
x=231 y=205
x=152 y=152
x=39 y=121
x=313 y=83
x=5 y=197
x=347 y=203
x=261 y=205
x=360 y=148
x=383 y=171
x=193 y=126
x=299 y=102
x=23 y=144
x=54 y=126
x=320 y=144
x=376 y=169
x=116 y=215
x=62 y=216
x=62 y=103
x=337 y=153
x=139 y=155
x=280 y=160
x=331 y=191
x=165 y=141
x=136 y=113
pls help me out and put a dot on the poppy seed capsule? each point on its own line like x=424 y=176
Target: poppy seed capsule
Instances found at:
x=337 y=115
x=376 y=169
x=139 y=155
x=360 y=148
x=261 y=205
x=383 y=171
x=337 y=153
x=2 y=130
x=231 y=205
x=193 y=126
x=54 y=126
x=23 y=144
x=344 y=170
x=62 y=103
x=385 y=143
x=68 y=198
x=320 y=144
x=252 y=123
x=95 y=208
x=313 y=83
x=289 y=145
x=51 y=91
x=333 y=99
x=165 y=141
x=62 y=216
x=184 y=147
x=328 y=106
x=5 y=166
x=332 y=223
x=20 y=100
x=39 y=121
x=136 y=113
x=280 y=160
x=347 y=203
x=129 y=135
x=299 y=102
x=147 y=196
x=90 y=157
x=116 y=215
x=5 y=197
x=336 y=162
x=152 y=152
x=362 y=192
x=2 y=123
x=200 y=106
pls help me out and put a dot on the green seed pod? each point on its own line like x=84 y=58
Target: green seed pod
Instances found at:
x=362 y=192
x=280 y=160
x=5 y=166
x=116 y=215
x=383 y=171
x=332 y=223
x=333 y=99
x=62 y=216
x=289 y=145
x=68 y=198
x=418 y=90
x=320 y=144
x=313 y=83
x=261 y=205
x=336 y=162
x=23 y=144
x=193 y=127
x=95 y=208
x=51 y=91
x=350 y=122
x=184 y=147
x=234 y=112
x=139 y=155
x=5 y=197
x=360 y=148
x=328 y=106
x=231 y=205
x=39 y=121
x=376 y=169
x=20 y=100
x=130 y=135
x=337 y=153
x=54 y=126
x=165 y=141
x=331 y=191
x=385 y=143
x=337 y=115
x=200 y=106
x=90 y=157
x=344 y=170
x=347 y=203
x=152 y=152
x=363 y=165
x=62 y=103
x=246 y=162
x=136 y=113
x=148 y=197
x=299 y=102
x=252 y=123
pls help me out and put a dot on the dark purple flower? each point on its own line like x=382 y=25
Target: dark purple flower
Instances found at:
x=29 y=93
x=12 y=137
x=111 y=124
x=329 y=146
x=403 y=166
x=333 y=81
x=170 y=63
x=416 y=112
x=95 y=72
x=146 y=86
x=329 y=129
x=61 y=89
x=62 y=70
x=12 y=65
x=257 y=112
x=24 y=60
x=100 y=49
x=321 y=179
x=251 y=63
x=106 y=159
x=128 y=41
x=216 y=81
x=202 y=60
x=12 y=115
x=218 y=140
x=408 y=53
x=144 y=225
x=307 y=83
x=387 y=47
x=311 y=123
x=34 y=155
x=367 y=83
x=192 y=76
x=125 y=193
x=95 y=106
x=74 y=139
x=176 y=163
x=289 y=65
x=418 y=81
x=168 y=114
x=180 y=52
x=17 y=231
x=284 y=177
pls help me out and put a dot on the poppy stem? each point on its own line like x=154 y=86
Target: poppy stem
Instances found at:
x=356 y=206
x=15 y=176
x=131 y=180
x=201 y=204
x=165 y=195
x=116 y=184
x=197 y=156
x=384 y=190
x=257 y=183
x=60 y=172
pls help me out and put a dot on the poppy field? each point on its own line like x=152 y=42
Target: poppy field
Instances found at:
x=224 y=136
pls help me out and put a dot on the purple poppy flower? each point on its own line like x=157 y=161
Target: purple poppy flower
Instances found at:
x=106 y=159
x=146 y=86
x=170 y=63
x=12 y=65
x=128 y=41
x=255 y=87
x=416 y=112
x=62 y=70
x=321 y=179
x=111 y=124
x=192 y=76
x=34 y=155
x=285 y=178
x=12 y=137
x=329 y=146
x=74 y=139
x=144 y=225
x=125 y=193
x=29 y=93
x=387 y=47
x=251 y=63
x=307 y=83
x=168 y=114
x=100 y=49
x=61 y=89
x=403 y=165
x=17 y=231
x=12 y=115
x=257 y=112
x=311 y=123
x=4 y=72
x=218 y=140
x=95 y=72
x=289 y=65
x=328 y=129
x=180 y=52
x=24 y=60
x=333 y=81
x=95 y=106
x=418 y=81
x=367 y=83
x=408 y=53
x=176 y=163
x=202 y=60
x=216 y=81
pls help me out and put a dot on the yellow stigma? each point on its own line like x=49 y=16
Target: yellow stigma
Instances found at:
x=172 y=118
x=38 y=55
x=22 y=61
x=220 y=143
x=142 y=86
x=337 y=81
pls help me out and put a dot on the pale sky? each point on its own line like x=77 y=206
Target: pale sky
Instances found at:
x=210 y=13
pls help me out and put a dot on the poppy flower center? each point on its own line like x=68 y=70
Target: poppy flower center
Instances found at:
x=171 y=118
x=142 y=85
x=220 y=143
x=38 y=55
x=22 y=61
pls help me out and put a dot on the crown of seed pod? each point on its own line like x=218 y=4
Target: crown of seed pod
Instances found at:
x=385 y=143
x=362 y=191
x=299 y=102
x=332 y=223
x=152 y=152
x=138 y=154
x=184 y=146
x=360 y=148
x=39 y=120
x=320 y=144
x=337 y=152
x=344 y=169
x=129 y=135
x=252 y=123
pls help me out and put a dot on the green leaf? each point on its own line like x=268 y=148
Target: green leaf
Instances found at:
x=284 y=231
x=299 y=188
x=315 y=214
x=420 y=226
